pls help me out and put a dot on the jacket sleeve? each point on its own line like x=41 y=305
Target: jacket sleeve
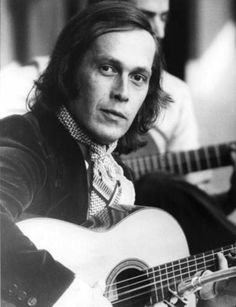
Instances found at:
x=30 y=277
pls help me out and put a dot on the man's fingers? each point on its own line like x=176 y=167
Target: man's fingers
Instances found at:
x=222 y=262
x=233 y=153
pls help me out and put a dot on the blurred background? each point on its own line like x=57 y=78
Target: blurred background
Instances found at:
x=200 y=48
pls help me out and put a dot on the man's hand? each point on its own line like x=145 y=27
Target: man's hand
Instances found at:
x=80 y=294
x=221 y=293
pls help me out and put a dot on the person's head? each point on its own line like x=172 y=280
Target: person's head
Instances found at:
x=157 y=12
x=105 y=68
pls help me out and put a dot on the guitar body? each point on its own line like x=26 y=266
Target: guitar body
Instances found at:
x=142 y=240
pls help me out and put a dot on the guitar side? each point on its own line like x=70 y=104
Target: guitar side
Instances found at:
x=144 y=239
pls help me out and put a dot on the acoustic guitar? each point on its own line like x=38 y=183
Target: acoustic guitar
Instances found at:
x=143 y=258
x=180 y=163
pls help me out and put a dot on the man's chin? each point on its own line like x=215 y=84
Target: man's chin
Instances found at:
x=106 y=138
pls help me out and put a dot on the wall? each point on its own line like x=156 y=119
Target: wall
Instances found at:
x=211 y=74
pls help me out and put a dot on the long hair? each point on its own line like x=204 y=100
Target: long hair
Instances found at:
x=57 y=86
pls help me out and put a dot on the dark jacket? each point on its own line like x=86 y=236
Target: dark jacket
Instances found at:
x=43 y=173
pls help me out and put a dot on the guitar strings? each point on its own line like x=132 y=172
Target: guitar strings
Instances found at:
x=174 y=279
x=204 y=262
x=191 y=259
x=163 y=293
x=148 y=292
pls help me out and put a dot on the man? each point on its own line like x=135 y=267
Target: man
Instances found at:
x=57 y=161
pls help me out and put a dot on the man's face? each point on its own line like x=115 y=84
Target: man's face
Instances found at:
x=113 y=81
x=157 y=13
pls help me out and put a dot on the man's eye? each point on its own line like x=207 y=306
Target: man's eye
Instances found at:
x=107 y=69
x=164 y=17
x=139 y=79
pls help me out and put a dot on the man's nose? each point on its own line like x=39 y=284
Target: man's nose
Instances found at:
x=120 y=90
x=158 y=26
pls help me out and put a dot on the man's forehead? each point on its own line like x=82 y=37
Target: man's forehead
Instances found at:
x=128 y=47
x=154 y=6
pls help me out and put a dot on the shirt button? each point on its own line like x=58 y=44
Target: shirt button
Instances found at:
x=10 y=292
x=21 y=295
x=32 y=301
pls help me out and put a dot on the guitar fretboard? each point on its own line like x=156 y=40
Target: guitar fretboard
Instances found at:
x=168 y=276
x=182 y=162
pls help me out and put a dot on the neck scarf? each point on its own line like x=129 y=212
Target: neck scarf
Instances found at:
x=104 y=188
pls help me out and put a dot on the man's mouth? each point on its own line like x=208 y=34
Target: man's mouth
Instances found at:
x=114 y=113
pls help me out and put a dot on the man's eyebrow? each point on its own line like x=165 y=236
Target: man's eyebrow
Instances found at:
x=119 y=65
x=148 y=13
x=106 y=58
x=152 y=14
x=144 y=70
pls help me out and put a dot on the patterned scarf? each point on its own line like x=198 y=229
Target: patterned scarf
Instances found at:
x=105 y=190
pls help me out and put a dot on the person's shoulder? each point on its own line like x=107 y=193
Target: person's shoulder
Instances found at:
x=9 y=123
x=176 y=88
x=22 y=129
x=40 y=62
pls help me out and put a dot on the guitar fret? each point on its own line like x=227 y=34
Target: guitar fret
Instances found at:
x=188 y=268
x=141 y=165
x=184 y=269
x=147 y=164
x=188 y=162
x=212 y=157
x=162 y=163
x=167 y=162
x=170 y=276
x=167 y=279
x=197 y=159
x=159 y=276
x=154 y=162
x=217 y=154
x=194 y=166
x=164 y=281
x=208 y=163
x=202 y=158
x=155 y=298
x=204 y=262
x=136 y=168
x=179 y=163
x=171 y=162
x=201 y=265
x=175 y=282
x=177 y=271
x=176 y=167
x=183 y=161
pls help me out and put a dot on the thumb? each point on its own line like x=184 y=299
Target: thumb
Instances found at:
x=99 y=294
x=100 y=286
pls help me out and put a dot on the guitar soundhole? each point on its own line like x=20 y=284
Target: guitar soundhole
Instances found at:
x=133 y=289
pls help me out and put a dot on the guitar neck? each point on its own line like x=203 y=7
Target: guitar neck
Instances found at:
x=169 y=276
x=182 y=162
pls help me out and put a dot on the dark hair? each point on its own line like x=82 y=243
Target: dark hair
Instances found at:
x=57 y=85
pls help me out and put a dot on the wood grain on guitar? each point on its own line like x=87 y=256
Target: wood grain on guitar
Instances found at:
x=143 y=258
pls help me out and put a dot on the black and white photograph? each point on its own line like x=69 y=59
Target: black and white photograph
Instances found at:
x=118 y=153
